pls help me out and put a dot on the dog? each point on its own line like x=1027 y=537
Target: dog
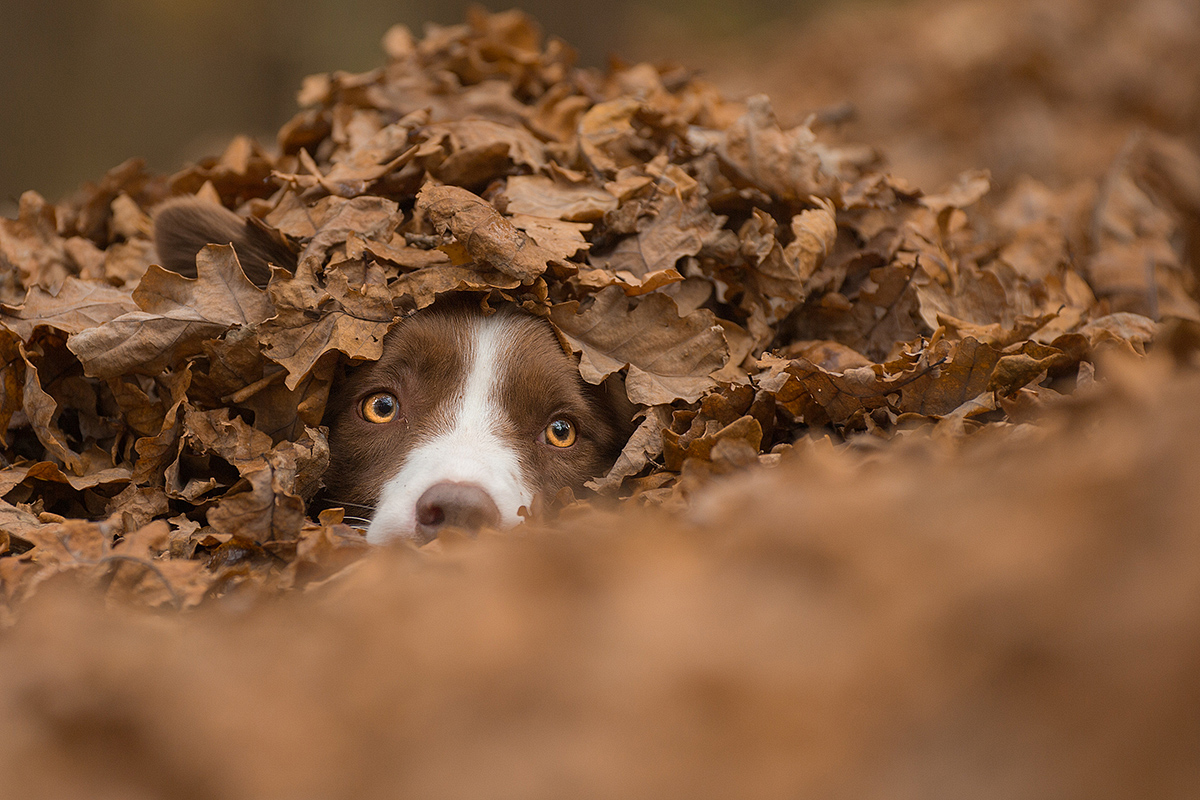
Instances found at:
x=464 y=419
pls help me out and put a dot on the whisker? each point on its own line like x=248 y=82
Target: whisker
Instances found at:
x=331 y=502
x=362 y=521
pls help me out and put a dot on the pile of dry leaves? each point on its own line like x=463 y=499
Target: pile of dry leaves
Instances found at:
x=752 y=283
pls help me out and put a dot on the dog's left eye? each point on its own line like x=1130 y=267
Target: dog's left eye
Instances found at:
x=560 y=433
x=380 y=407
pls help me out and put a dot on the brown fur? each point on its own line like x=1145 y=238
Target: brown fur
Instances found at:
x=184 y=225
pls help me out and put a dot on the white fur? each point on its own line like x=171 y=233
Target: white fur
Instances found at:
x=471 y=451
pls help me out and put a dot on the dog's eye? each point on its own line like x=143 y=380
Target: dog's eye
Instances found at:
x=380 y=407
x=560 y=433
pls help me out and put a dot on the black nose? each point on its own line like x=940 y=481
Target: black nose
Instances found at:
x=457 y=505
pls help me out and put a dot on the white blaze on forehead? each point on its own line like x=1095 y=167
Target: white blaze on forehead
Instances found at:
x=470 y=449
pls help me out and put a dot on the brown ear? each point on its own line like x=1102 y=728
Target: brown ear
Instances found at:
x=613 y=405
x=183 y=226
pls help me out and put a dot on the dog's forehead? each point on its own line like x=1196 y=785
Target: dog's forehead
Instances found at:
x=538 y=367
x=442 y=342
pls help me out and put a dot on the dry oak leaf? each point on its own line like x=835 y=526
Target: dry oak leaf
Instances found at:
x=785 y=164
x=77 y=306
x=966 y=190
x=157 y=451
x=631 y=284
x=542 y=196
x=354 y=173
x=12 y=379
x=818 y=396
x=645 y=443
x=669 y=357
x=961 y=372
x=422 y=286
x=50 y=472
x=886 y=310
x=265 y=506
x=604 y=133
x=1026 y=362
x=31 y=243
x=781 y=274
x=42 y=411
x=560 y=238
x=312 y=322
x=481 y=149
x=488 y=237
x=746 y=429
x=676 y=229
x=335 y=220
x=178 y=315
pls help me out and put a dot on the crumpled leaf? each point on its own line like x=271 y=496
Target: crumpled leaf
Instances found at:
x=786 y=164
x=542 y=196
x=32 y=246
x=673 y=229
x=645 y=443
x=669 y=357
x=353 y=322
x=77 y=306
x=178 y=314
x=489 y=239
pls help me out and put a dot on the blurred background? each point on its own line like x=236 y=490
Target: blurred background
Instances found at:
x=85 y=84
x=1047 y=87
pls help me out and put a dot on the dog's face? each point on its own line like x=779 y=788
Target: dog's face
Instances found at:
x=461 y=422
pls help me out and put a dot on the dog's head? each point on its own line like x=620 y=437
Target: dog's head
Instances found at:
x=462 y=421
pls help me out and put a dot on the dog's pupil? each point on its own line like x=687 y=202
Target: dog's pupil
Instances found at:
x=383 y=406
x=561 y=429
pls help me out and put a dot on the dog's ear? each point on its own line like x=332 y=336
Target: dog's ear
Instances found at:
x=616 y=411
x=183 y=226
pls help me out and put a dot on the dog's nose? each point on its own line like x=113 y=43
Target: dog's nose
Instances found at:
x=458 y=505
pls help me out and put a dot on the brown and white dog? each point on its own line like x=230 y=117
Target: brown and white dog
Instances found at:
x=462 y=421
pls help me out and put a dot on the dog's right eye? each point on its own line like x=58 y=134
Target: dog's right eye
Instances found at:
x=380 y=407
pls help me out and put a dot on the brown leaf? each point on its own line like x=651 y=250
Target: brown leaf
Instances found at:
x=542 y=196
x=967 y=189
x=264 y=506
x=423 y=286
x=78 y=306
x=779 y=275
x=334 y=220
x=645 y=444
x=157 y=451
x=489 y=238
x=31 y=244
x=669 y=357
x=675 y=228
x=178 y=315
x=786 y=164
x=312 y=322
x=744 y=429
x=43 y=410
x=606 y=133
x=560 y=238
x=965 y=374
x=479 y=150
x=819 y=396
x=12 y=381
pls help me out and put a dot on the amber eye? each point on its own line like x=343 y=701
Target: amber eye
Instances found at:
x=560 y=433
x=380 y=407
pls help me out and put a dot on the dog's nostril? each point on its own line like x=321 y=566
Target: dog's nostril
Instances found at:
x=430 y=515
x=458 y=505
